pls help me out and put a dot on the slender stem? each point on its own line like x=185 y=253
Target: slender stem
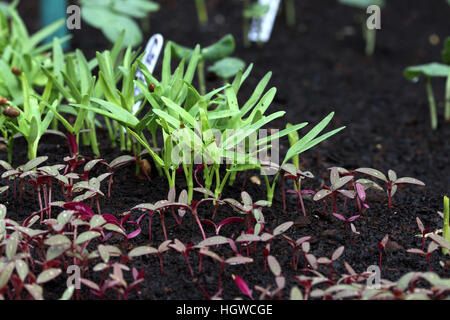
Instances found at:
x=201 y=77
x=432 y=104
x=447 y=99
x=445 y=231
x=290 y=13
x=202 y=13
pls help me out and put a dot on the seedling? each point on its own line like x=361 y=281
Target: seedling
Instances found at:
x=368 y=33
x=445 y=229
x=202 y=12
x=214 y=53
x=392 y=181
x=346 y=220
x=423 y=231
x=336 y=255
x=112 y=17
x=337 y=185
x=184 y=250
x=146 y=250
x=381 y=246
x=433 y=246
x=429 y=71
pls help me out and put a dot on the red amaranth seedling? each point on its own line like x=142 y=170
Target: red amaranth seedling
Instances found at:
x=336 y=255
x=146 y=250
x=391 y=181
x=336 y=188
x=346 y=220
x=184 y=250
x=296 y=176
x=423 y=231
x=433 y=246
x=381 y=246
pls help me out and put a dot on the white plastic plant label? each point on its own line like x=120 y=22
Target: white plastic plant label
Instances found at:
x=150 y=58
x=261 y=29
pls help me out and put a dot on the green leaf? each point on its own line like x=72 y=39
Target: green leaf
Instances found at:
x=446 y=51
x=227 y=67
x=87 y=236
x=430 y=70
x=48 y=275
x=363 y=4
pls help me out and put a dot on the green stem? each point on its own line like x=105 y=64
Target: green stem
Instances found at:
x=432 y=104
x=445 y=231
x=32 y=149
x=447 y=99
x=290 y=13
x=371 y=37
x=219 y=188
x=93 y=136
x=123 y=146
x=202 y=13
x=271 y=187
x=201 y=77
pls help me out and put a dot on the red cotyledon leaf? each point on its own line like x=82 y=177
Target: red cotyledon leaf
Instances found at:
x=81 y=208
x=242 y=285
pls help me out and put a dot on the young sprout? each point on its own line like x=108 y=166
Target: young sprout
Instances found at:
x=227 y=67
x=336 y=188
x=346 y=220
x=423 y=231
x=392 y=181
x=431 y=248
x=290 y=12
x=202 y=12
x=336 y=255
x=445 y=230
x=446 y=59
x=368 y=33
x=146 y=250
x=429 y=71
x=211 y=54
x=381 y=246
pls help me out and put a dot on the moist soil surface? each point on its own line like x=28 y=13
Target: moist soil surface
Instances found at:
x=318 y=66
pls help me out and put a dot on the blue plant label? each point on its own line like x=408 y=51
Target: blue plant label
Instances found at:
x=150 y=58
x=261 y=29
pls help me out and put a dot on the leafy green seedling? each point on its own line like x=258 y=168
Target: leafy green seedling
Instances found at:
x=112 y=17
x=431 y=70
x=446 y=59
x=368 y=33
x=227 y=67
x=211 y=54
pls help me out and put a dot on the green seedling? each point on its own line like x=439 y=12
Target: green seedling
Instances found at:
x=446 y=59
x=29 y=122
x=227 y=68
x=308 y=141
x=202 y=12
x=429 y=71
x=22 y=53
x=211 y=54
x=368 y=33
x=113 y=17
x=445 y=230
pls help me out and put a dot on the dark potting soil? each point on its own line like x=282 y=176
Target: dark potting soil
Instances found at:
x=318 y=67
